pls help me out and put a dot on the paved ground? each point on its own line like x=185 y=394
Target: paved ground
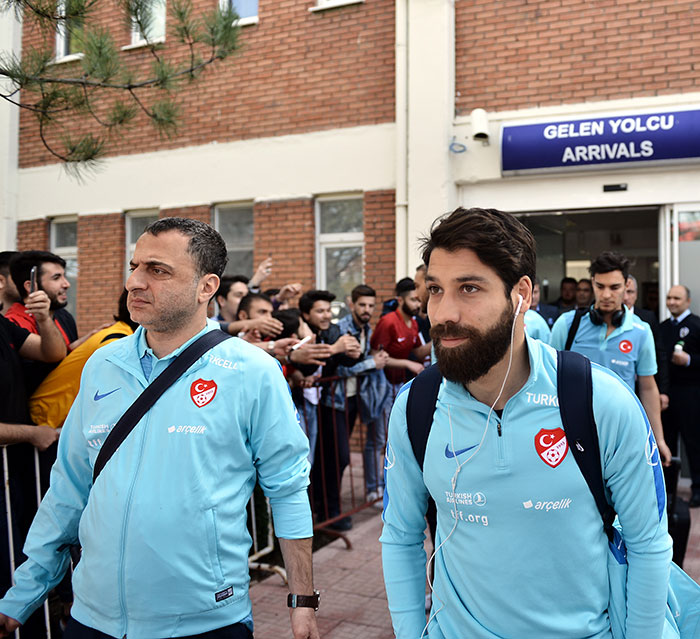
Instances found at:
x=353 y=601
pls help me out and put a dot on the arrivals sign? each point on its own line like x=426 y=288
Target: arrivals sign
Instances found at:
x=594 y=141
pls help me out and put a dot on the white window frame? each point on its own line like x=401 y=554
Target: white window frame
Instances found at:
x=137 y=38
x=66 y=252
x=62 y=54
x=335 y=240
x=322 y=5
x=232 y=206
x=242 y=22
x=130 y=242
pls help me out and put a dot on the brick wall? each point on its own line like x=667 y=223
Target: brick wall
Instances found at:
x=513 y=55
x=285 y=229
x=296 y=72
x=33 y=235
x=380 y=243
x=101 y=268
x=202 y=213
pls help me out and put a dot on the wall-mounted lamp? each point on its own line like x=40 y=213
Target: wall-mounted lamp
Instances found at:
x=480 y=126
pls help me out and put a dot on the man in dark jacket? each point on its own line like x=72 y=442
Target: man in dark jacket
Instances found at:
x=680 y=336
x=327 y=470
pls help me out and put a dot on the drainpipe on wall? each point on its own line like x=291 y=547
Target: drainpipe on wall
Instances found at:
x=401 y=83
x=11 y=34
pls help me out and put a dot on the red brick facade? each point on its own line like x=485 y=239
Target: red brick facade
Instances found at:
x=33 y=235
x=101 y=268
x=380 y=242
x=514 y=55
x=286 y=230
x=296 y=71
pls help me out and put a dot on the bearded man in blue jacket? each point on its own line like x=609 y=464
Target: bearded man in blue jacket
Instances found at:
x=520 y=546
x=163 y=528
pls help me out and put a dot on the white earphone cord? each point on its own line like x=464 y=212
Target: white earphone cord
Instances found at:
x=453 y=482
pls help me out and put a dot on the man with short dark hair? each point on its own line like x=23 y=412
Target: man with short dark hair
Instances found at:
x=567 y=295
x=584 y=293
x=368 y=395
x=520 y=546
x=610 y=335
x=231 y=291
x=397 y=334
x=51 y=278
x=326 y=472
x=680 y=339
x=162 y=528
x=8 y=290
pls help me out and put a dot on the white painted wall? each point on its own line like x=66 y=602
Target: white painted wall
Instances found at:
x=478 y=172
x=324 y=162
x=10 y=37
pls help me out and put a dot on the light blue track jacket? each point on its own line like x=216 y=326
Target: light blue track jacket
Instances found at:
x=163 y=530
x=536 y=326
x=522 y=551
x=629 y=349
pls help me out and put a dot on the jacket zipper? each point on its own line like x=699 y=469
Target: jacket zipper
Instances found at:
x=122 y=594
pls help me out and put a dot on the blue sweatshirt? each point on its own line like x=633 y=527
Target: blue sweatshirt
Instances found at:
x=163 y=530
x=522 y=551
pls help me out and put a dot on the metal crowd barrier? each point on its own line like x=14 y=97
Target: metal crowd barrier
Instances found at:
x=10 y=529
x=340 y=432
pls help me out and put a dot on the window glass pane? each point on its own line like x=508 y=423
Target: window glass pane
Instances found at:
x=341 y=216
x=343 y=269
x=240 y=262
x=74 y=40
x=137 y=225
x=236 y=227
x=245 y=8
x=65 y=234
x=689 y=226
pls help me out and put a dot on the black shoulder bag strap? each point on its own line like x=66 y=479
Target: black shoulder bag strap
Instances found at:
x=111 y=336
x=420 y=406
x=151 y=393
x=575 y=392
x=579 y=313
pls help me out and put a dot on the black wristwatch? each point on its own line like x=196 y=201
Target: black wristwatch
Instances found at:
x=304 y=601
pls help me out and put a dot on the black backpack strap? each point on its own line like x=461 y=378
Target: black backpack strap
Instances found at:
x=578 y=314
x=420 y=406
x=575 y=392
x=151 y=393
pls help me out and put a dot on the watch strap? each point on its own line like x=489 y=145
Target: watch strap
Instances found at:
x=304 y=601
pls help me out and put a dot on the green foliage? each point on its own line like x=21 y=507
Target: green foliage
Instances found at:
x=103 y=89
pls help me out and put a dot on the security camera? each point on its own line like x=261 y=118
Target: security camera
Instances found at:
x=480 y=125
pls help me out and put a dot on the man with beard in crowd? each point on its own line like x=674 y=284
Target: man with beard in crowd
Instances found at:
x=489 y=470
x=397 y=333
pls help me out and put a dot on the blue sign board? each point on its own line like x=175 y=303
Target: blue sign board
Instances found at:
x=621 y=139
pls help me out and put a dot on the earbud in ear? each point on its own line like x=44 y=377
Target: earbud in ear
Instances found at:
x=520 y=305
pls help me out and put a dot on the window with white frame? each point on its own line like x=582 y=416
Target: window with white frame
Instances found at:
x=321 y=5
x=64 y=243
x=156 y=28
x=235 y=223
x=136 y=223
x=69 y=35
x=340 y=243
x=246 y=10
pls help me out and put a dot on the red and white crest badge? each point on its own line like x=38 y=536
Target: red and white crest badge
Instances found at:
x=625 y=346
x=202 y=391
x=551 y=446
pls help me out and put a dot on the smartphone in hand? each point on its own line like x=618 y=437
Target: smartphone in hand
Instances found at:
x=32 y=279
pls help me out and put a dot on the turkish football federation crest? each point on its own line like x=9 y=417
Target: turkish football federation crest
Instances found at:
x=202 y=391
x=551 y=446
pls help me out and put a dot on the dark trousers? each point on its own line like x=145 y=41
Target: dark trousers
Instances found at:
x=332 y=457
x=76 y=630
x=681 y=417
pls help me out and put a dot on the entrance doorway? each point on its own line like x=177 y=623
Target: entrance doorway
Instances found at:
x=568 y=240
